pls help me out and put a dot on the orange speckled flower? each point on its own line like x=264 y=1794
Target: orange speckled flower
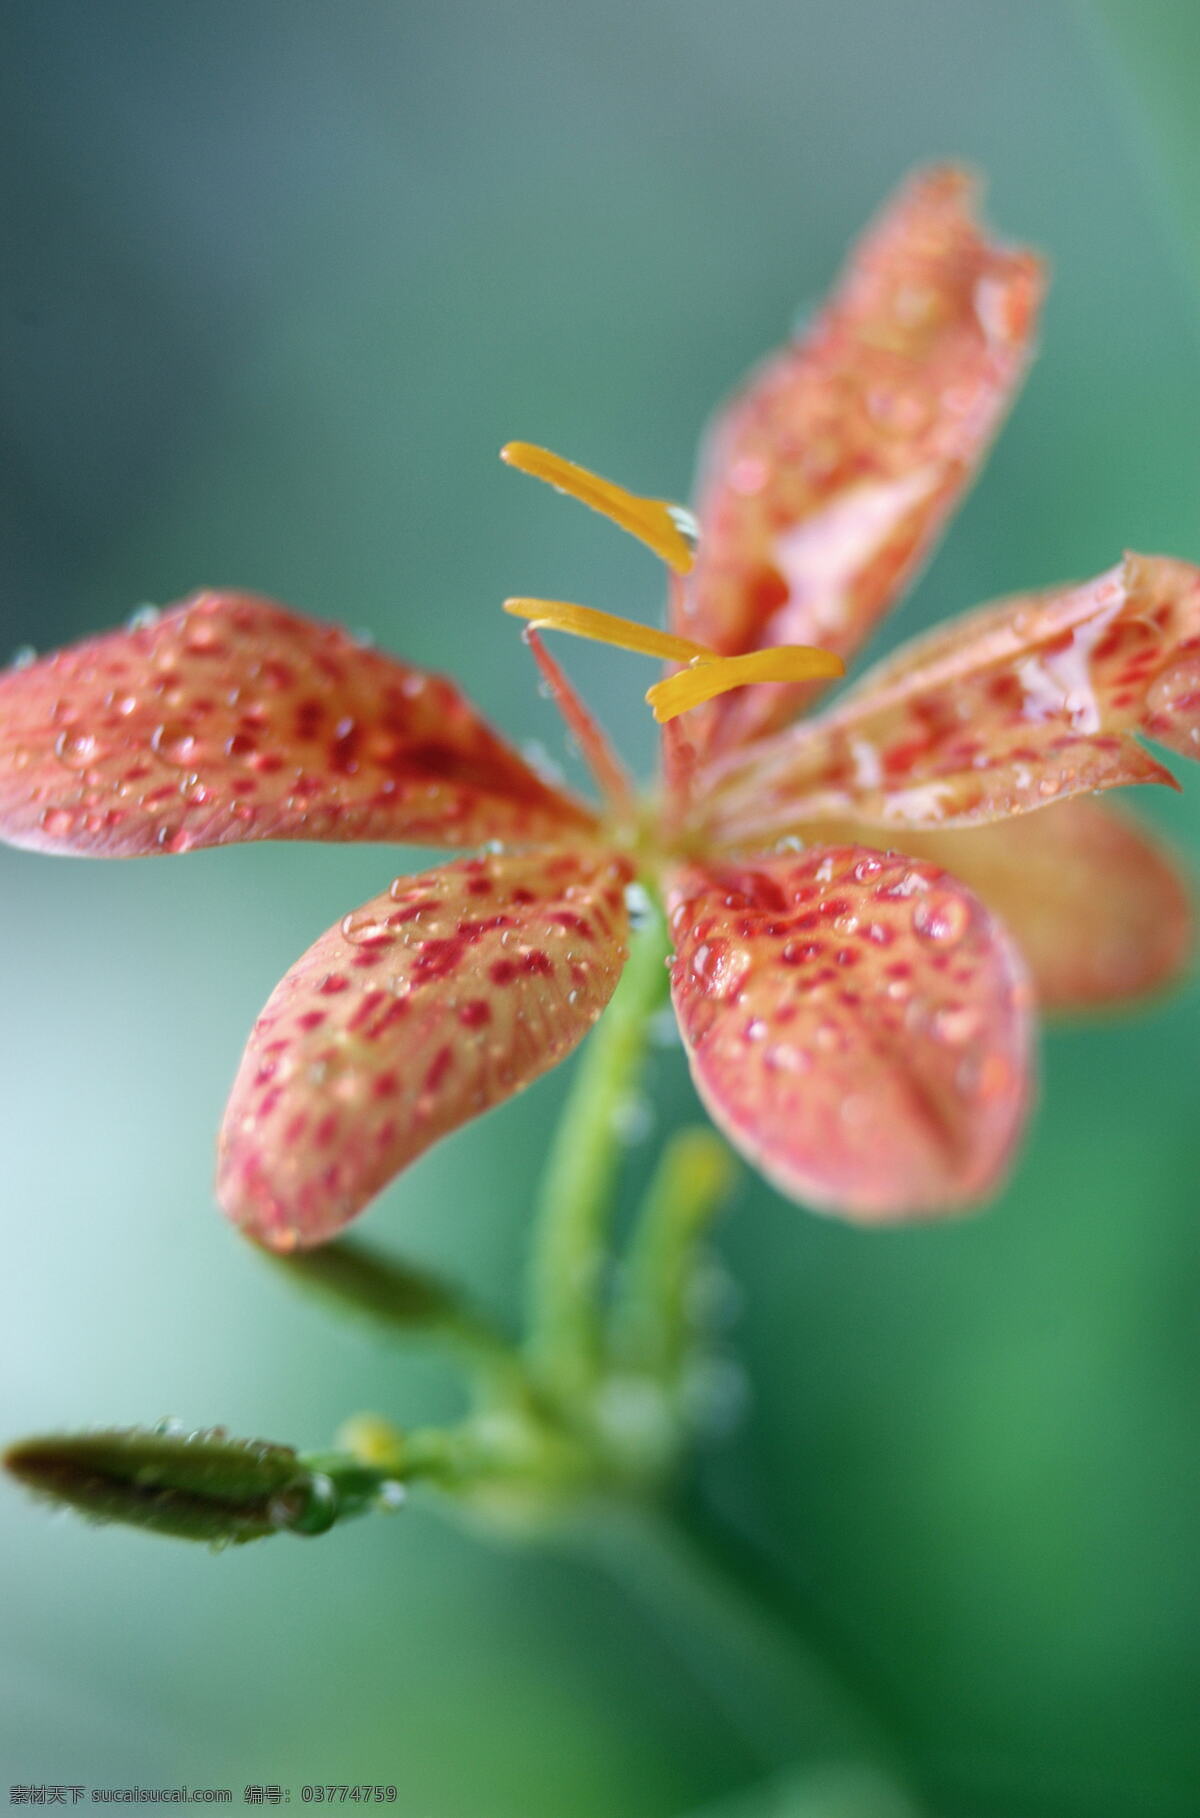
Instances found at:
x=857 y=1018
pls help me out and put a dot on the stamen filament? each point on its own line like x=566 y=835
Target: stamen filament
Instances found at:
x=669 y=530
x=595 y=749
x=607 y=628
x=714 y=675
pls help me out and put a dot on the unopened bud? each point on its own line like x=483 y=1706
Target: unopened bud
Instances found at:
x=196 y=1486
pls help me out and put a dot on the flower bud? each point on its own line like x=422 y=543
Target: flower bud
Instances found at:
x=195 y=1486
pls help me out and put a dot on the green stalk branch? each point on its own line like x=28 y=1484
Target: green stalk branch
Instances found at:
x=398 y=1302
x=570 y=1248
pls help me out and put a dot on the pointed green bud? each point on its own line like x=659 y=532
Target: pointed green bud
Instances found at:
x=352 y=1277
x=397 y=1301
x=195 y=1486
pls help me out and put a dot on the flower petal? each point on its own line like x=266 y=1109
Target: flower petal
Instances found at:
x=1097 y=907
x=1005 y=710
x=229 y=718
x=857 y=1025
x=432 y=1002
x=826 y=481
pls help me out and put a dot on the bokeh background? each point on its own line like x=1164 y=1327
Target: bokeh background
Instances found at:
x=278 y=279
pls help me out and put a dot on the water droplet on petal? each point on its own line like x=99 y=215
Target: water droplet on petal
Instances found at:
x=1175 y=695
x=175 y=744
x=955 y=1023
x=365 y=927
x=720 y=967
x=75 y=749
x=941 y=919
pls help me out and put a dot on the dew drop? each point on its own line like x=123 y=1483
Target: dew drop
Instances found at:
x=23 y=658
x=941 y=919
x=392 y=1495
x=175 y=743
x=637 y=903
x=632 y=1119
x=365 y=927
x=955 y=1023
x=143 y=618
x=75 y=749
x=1175 y=693
x=720 y=967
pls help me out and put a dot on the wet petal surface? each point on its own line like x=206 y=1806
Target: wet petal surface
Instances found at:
x=229 y=718
x=1097 y=906
x=858 y=1026
x=825 y=482
x=1006 y=710
x=420 y=1010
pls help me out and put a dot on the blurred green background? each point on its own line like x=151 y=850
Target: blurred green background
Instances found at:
x=279 y=278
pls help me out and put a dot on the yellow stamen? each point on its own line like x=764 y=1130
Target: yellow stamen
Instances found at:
x=710 y=676
x=669 y=530
x=607 y=628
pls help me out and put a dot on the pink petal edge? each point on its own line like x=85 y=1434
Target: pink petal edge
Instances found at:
x=858 y=1026
x=826 y=481
x=419 y=1011
x=228 y=718
x=1000 y=712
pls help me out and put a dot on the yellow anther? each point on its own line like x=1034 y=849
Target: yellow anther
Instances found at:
x=669 y=530
x=607 y=628
x=711 y=676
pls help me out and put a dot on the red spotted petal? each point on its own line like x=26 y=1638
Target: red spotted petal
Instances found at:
x=1097 y=907
x=826 y=482
x=228 y=718
x=426 y=1006
x=1006 y=710
x=857 y=1025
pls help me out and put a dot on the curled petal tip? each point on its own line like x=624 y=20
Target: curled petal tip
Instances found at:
x=826 y=481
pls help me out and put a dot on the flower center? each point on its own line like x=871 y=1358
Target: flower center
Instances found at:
x=671 y=532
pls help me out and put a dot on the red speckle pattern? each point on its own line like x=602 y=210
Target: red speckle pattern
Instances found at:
x=856 y=1021
x=1098 y=908
x=826 y=481
x=1009 y=709
x=229 y=719
x=351 y=1073
x=891 y=1089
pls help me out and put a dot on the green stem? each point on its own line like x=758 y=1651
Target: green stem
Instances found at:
x=653 y=1319
x=786 y=1697
x=575 y=1203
